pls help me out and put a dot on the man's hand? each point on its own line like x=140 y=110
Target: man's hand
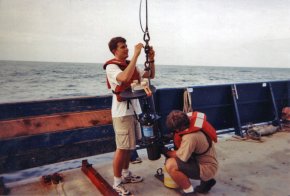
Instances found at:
x=151 y=54
x=164 y=150
x=138 y=49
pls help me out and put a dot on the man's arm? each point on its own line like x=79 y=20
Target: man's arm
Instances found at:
x=126 y=75
x=168 y=153
x=187 y=146
x=171 y=154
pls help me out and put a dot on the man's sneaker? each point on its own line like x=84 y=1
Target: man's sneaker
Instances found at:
x=188 y=194
x=205 y=186
x=131 y=178
x=137 y=160
x=121 y=190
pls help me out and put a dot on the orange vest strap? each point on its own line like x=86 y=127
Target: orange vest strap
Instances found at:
x=120 y=88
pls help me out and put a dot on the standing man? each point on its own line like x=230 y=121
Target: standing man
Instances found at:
x=195 y=155
x=120 y=74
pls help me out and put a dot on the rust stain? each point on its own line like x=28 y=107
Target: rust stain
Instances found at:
x=94 y=122
x=65 y=116
x=27 y=122
x=38 y=124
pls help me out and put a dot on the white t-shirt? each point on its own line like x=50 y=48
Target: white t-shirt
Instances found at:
x=120 y=109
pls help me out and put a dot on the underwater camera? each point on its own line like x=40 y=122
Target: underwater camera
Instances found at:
x=151 y=136
x=151 y=139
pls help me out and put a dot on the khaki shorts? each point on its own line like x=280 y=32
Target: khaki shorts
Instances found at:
x=189 y=168
x=127 y=129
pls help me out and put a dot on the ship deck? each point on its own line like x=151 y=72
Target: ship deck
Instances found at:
x=246 y=167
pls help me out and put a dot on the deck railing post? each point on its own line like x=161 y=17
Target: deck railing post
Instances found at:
x=238 y=127
x=288 y=93
x=274 y=104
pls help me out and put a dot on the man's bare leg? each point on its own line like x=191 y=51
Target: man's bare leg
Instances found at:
x=180 y=178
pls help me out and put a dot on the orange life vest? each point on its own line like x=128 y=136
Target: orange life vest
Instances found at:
x=197 y=123
x=124 y=85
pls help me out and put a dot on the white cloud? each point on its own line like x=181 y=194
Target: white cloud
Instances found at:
x=191 y=32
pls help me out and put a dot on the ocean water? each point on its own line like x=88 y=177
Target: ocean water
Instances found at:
x=28 y=81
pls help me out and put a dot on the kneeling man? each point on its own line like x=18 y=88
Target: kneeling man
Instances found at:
x=194 y=156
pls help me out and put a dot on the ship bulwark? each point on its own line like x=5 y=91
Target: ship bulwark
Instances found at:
x=42 y=132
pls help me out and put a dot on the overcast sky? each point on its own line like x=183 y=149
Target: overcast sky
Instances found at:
x=253 y=33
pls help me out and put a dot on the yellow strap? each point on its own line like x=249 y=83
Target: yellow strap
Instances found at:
x=147 y=91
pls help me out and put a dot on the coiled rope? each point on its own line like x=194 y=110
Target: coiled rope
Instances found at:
x=187 y=106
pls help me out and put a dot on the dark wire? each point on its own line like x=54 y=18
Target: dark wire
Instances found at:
x=146 y=33
x=140 y=20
